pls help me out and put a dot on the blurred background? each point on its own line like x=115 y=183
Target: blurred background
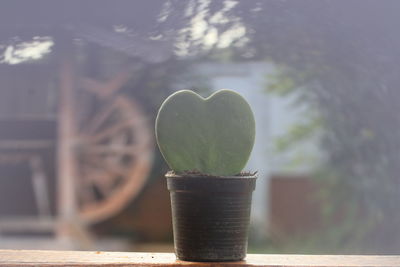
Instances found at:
x=81 y=82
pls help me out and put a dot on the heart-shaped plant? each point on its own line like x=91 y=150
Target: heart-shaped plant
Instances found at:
x=213 y=135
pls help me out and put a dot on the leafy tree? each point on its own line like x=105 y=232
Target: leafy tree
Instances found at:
x=344 y=59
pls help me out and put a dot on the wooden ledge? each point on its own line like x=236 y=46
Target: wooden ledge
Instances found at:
x=85 y=258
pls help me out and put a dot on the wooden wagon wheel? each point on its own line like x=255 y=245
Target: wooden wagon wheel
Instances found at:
x=114 y=149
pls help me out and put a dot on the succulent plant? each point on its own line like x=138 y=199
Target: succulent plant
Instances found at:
x=213 y=135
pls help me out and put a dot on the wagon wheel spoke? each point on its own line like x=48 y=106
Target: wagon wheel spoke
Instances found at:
x=104 y=185
x=113 y=130
x=115 y=149
x=104 y=89
x=99 y=119
x=87 y=195
x=101 y=177
x=108 y=166
x=101 y=181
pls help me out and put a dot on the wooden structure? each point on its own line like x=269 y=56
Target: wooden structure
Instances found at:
x=110 y=150
x=82 y=258
x=104 y=143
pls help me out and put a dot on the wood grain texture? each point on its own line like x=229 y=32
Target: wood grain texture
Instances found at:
x=85 y=258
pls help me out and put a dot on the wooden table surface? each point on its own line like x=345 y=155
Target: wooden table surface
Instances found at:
x=98 y=258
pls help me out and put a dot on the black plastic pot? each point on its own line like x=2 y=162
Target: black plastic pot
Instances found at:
x=211 y=216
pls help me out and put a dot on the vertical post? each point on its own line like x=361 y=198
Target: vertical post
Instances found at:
x=66 y=165
x=69 y=226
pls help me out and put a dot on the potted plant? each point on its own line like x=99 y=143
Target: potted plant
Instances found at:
x=207 y=142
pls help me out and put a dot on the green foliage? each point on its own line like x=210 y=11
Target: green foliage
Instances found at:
x=213 y=135
x=296 y=133
x=351 y=214
x=280 y=83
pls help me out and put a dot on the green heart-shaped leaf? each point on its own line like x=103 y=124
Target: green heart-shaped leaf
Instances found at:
x=213 y=135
